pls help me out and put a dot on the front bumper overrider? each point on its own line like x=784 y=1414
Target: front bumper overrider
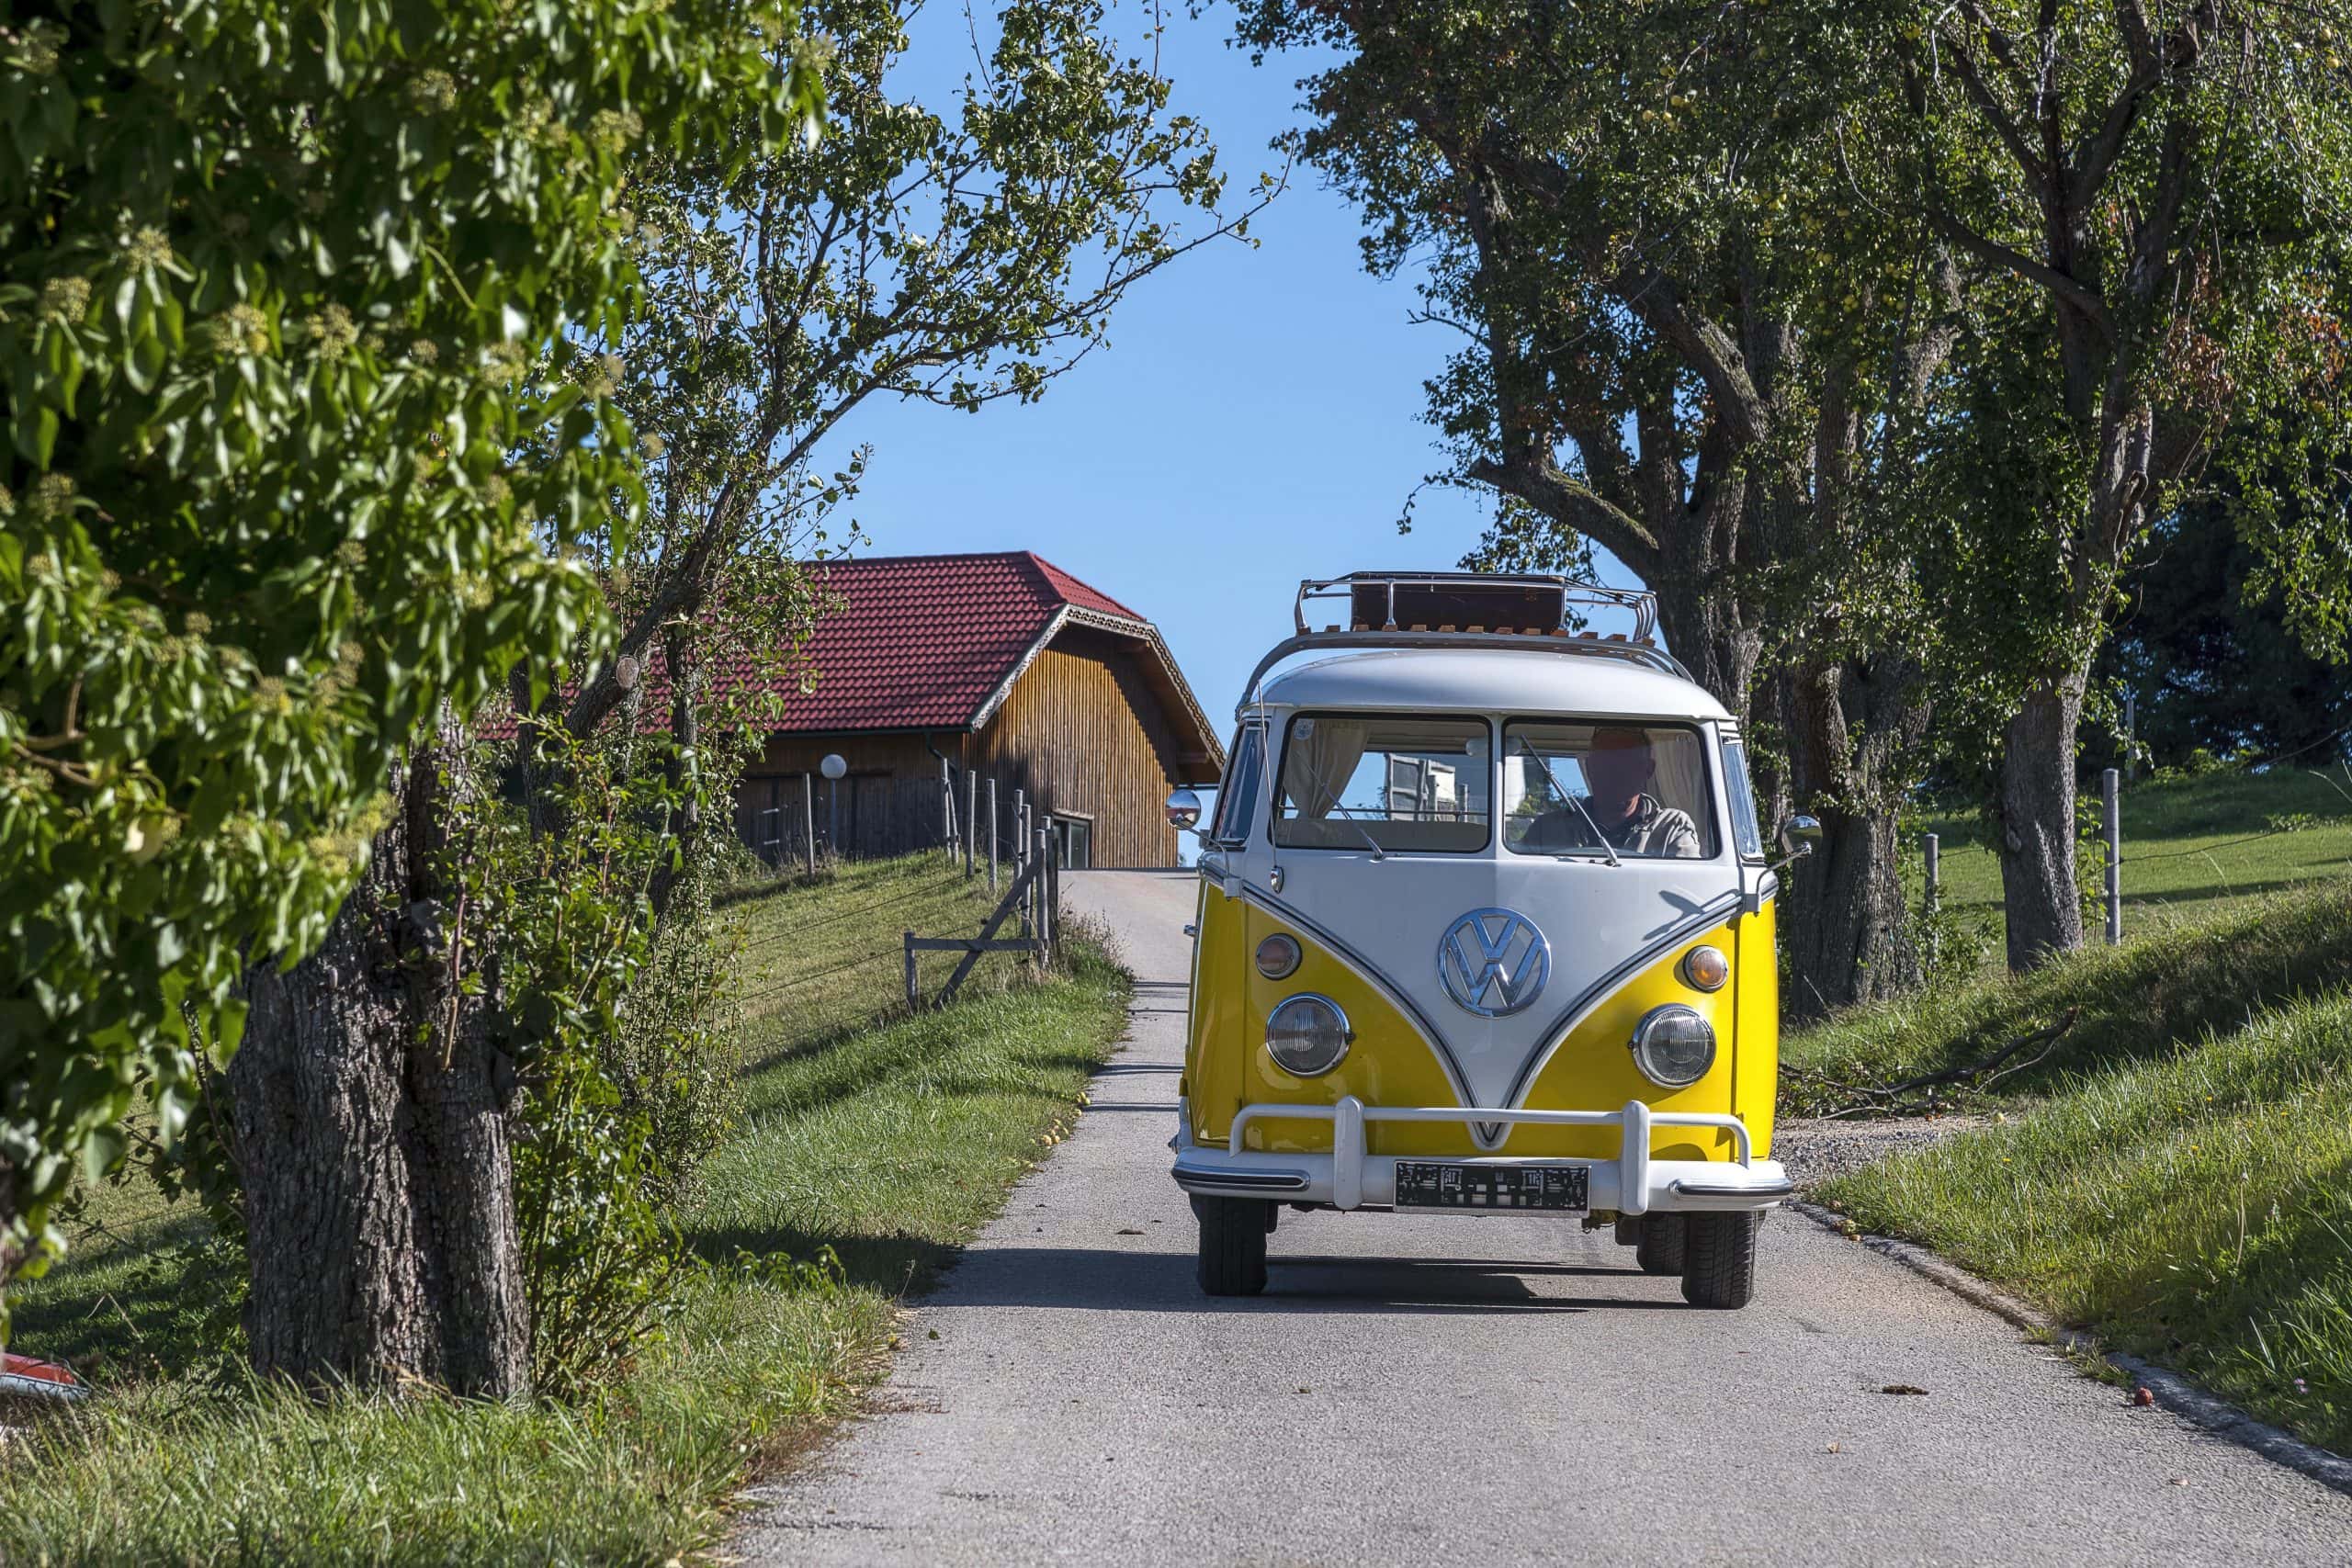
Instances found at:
x=1350 y=1178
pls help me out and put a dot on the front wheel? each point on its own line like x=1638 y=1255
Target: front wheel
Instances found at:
x=1719 y=1259
x=1233 y=1245
x=1659 y=1246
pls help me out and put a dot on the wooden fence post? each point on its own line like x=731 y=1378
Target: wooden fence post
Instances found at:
x=1054 y=902
x=995 y=822
x=971 y=818
x=808 y=818
x=1042 y=847
x=947 y=810
x=1020 y=827
x=2113 y=826
x=914 y=996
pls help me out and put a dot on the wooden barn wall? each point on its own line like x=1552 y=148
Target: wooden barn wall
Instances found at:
x=888 y=804
x=1082 y=733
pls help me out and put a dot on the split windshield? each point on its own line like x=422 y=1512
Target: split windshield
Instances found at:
x=1351 y=780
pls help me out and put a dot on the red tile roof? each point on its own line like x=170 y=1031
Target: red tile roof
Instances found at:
x=929 y=642
x=923 y=642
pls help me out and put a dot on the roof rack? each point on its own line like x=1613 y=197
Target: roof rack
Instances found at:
x=1472 y=604
x=1450 y=609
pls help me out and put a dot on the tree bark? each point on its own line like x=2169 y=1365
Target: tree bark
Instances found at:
x=683 y=767
x=2036 y=819
x=1852 y=726
x=371 y=1105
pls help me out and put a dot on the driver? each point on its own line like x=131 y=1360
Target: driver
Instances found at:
x=1619 y=767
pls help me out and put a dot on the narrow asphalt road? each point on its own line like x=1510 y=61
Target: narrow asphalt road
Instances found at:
x=1476 y=1389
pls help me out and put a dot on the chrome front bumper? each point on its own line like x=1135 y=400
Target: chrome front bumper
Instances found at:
x=1348 y=1178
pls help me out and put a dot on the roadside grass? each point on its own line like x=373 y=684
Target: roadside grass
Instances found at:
x=2194 y=848
x=2194 y=1208
x=2175 y=1176
x=2144 y=998
x=885 y=1137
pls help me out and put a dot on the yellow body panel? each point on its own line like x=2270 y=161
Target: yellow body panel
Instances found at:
x=1389 y=1063
x=1755 y=970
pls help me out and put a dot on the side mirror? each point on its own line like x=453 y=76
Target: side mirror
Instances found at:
x=1798 y=835
x=1183 y=809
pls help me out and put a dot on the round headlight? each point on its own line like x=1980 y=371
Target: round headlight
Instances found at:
x=1673 y=1045
x=1277 y=956
x=1307 y=1034
x=1706 y=968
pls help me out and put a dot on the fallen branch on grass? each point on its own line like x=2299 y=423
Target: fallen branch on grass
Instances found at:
x=1887 y=1100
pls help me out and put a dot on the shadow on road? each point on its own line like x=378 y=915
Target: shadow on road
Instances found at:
x=1102 y=1279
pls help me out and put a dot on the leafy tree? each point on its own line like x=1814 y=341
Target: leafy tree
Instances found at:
x=2206 y=648
x=2156 y=201
x=1682 y=346
x=958 y=253
x=274 y=282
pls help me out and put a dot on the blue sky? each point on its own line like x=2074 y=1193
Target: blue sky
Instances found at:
x=1255 y=419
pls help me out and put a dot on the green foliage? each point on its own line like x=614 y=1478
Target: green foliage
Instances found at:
x=960 y=246
x=274 y=279
x=617 y=1024
x=2213 y=660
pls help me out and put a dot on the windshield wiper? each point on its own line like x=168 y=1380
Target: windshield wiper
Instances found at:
x=1598 y=836
x=1369 y=842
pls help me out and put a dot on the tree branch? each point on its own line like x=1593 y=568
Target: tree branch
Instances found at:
x=2084 y=299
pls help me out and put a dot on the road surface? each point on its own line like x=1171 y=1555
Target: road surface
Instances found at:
x=1497 y=1389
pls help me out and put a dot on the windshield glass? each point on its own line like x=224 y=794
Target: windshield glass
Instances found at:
x=1411 y=784
x=1745 y=833
x=1642 y=788
x=1236 y=792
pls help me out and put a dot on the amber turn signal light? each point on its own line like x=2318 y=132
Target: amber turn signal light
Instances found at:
x=1706 y=968
x=1277 y=956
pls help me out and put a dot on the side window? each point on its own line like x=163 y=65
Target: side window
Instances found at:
x=1236 y=792
x=1743 y=830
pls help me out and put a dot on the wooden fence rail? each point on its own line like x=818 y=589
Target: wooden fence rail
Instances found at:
x=1026 y=894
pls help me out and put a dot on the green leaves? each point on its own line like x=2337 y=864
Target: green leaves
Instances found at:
x=272 y=277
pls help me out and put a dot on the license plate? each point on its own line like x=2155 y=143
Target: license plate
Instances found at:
x=1427 y=1186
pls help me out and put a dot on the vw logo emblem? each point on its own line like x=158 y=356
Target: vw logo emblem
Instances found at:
x=1494 y=962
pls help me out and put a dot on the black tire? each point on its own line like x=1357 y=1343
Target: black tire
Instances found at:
x=1233 y=1245
x=1659 y=1248
x=1719 y=1261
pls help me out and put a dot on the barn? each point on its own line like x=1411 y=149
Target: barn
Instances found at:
x=942 y=680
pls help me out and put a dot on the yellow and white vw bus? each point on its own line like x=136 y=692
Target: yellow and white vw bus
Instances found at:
x=1486 y=924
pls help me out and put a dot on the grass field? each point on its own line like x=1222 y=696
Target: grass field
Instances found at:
x=888 y=1139
x=2194 y=848
x=2177 y=1174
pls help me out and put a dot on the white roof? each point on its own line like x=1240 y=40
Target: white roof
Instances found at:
x=1491 y=679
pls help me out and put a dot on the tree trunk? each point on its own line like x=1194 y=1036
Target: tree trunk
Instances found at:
x=2036 y=817
x=1846 y=937
x=370 y=1104
x=1852 y=728
x=684 y=764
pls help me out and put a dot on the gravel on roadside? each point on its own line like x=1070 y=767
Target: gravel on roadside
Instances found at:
x=1816 y=1150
